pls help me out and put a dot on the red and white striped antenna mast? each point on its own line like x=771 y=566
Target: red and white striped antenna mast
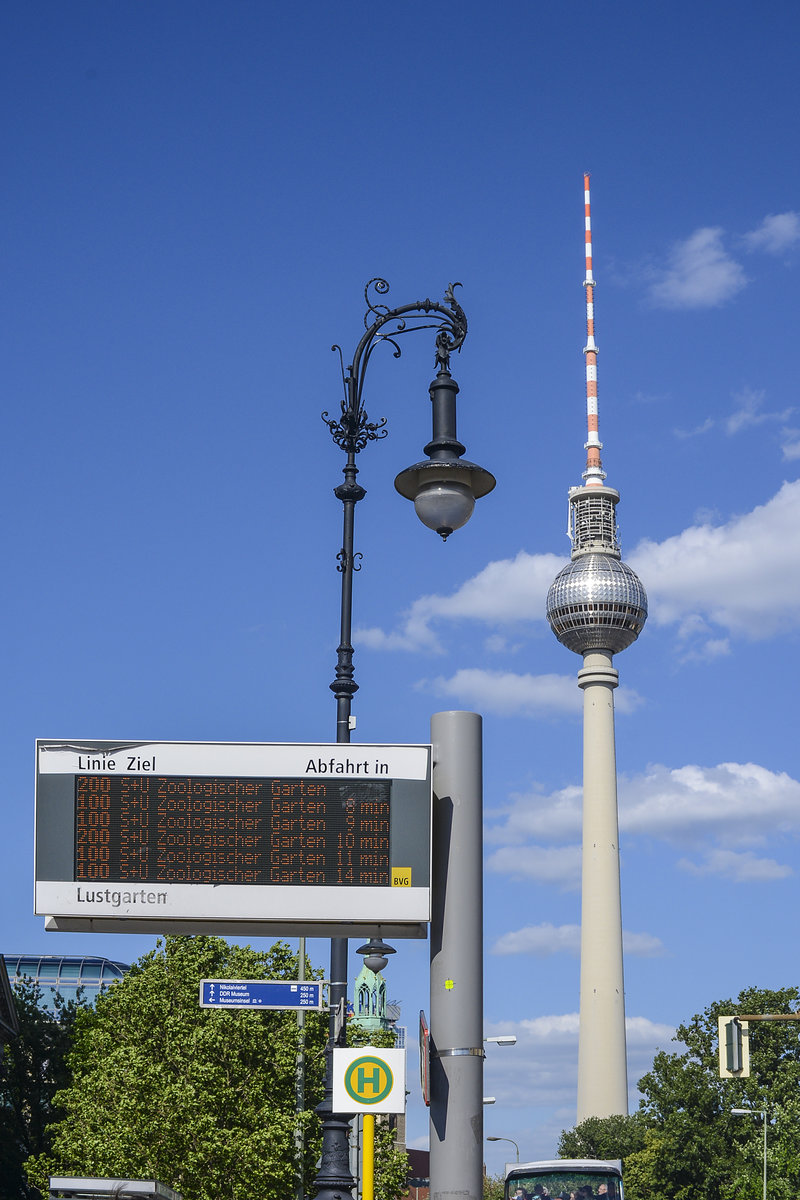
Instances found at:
x=594 y=473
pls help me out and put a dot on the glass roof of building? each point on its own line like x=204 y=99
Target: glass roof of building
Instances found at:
x=64 y=970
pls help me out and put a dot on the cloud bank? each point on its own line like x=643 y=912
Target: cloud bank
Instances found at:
x=706 y=812
x=545 y=940
x=739 y=578
x=542 y=1069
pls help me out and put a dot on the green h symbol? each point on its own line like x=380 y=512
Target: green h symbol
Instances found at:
x=371 y=1076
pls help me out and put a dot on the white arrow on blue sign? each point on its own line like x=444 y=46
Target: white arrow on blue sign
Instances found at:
x=261 y=993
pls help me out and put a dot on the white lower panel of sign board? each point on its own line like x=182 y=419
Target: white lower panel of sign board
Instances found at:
x=188 y=901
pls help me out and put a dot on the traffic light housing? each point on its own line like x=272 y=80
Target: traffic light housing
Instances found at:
x=734 y=1048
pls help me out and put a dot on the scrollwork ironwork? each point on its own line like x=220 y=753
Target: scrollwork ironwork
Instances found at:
x=381 y=310
x=353 y=429
x=343 y=559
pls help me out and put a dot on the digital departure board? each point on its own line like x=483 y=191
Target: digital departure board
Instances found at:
x=228 y=833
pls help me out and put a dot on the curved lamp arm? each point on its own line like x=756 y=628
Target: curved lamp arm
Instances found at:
x=444 y=487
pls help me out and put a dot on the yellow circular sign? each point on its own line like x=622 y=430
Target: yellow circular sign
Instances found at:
x=368 y=1080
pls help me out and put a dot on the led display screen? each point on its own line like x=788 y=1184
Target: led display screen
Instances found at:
x=179 y=829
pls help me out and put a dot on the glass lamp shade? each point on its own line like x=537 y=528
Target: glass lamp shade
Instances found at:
x=444 y=505
x=375 y=963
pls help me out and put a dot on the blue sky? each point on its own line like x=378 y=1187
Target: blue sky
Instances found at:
x=194 y=197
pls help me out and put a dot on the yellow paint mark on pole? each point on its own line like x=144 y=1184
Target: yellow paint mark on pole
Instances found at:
x=368 y=1157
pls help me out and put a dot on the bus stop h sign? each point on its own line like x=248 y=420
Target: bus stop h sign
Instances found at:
x=369 y=1079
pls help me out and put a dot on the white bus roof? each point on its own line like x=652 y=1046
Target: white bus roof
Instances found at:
x=565 y=1164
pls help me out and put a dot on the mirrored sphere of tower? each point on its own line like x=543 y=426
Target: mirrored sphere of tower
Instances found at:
x=596 y=602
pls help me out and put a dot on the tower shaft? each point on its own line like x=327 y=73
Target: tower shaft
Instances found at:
x=602 y=1057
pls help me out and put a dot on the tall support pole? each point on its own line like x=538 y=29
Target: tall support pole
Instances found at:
x=444 y=488
x=456 y=1004
x=602 y=1065
x=334 y=1180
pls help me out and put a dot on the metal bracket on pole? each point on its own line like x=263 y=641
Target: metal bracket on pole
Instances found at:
x=476 y=1051
x=340 y=1018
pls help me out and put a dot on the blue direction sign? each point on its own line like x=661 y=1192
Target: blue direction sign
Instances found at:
x=260 y=993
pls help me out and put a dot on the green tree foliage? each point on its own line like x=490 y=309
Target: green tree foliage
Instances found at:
x=604 y=1137
x=494 y=1187
x=202 y=1099
x=34 y=1068
x=691 y=1144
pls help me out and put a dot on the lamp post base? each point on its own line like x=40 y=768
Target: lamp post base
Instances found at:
x=334 y=1180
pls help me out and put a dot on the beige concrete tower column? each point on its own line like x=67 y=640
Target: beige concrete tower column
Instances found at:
x=602 y=1062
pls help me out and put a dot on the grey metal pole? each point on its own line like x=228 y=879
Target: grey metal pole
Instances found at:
x=456 y=1068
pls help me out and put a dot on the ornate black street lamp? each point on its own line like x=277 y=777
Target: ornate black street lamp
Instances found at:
x=444 y=488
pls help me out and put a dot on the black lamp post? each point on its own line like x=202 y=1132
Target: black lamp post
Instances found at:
x=444 y=488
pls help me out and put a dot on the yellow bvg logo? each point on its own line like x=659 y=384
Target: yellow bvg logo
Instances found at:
x=368 y=1080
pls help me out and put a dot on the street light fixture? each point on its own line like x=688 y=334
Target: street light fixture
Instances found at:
x=444 y=489
x=375 y=952
x=505 y=1139
x=755 y=1112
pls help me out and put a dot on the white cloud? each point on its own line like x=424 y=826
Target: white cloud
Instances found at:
x=743 y=575
x=713 y=648
x=710 y=809
x=790 y=444
x=641 y=945
x=497 y=644
x=748 y=412
x=504 y=592
x=505 y=693
x=703 y=427
x=545 y=940
x=557 y=866
x=776 y=233
x=694 y=636
x=540 y=940
x=696 y=642
x=739 y=866
x=686 y=804
x=554 y=817
x=700 y=273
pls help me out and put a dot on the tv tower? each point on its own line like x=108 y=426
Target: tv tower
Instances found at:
x=597 y=607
